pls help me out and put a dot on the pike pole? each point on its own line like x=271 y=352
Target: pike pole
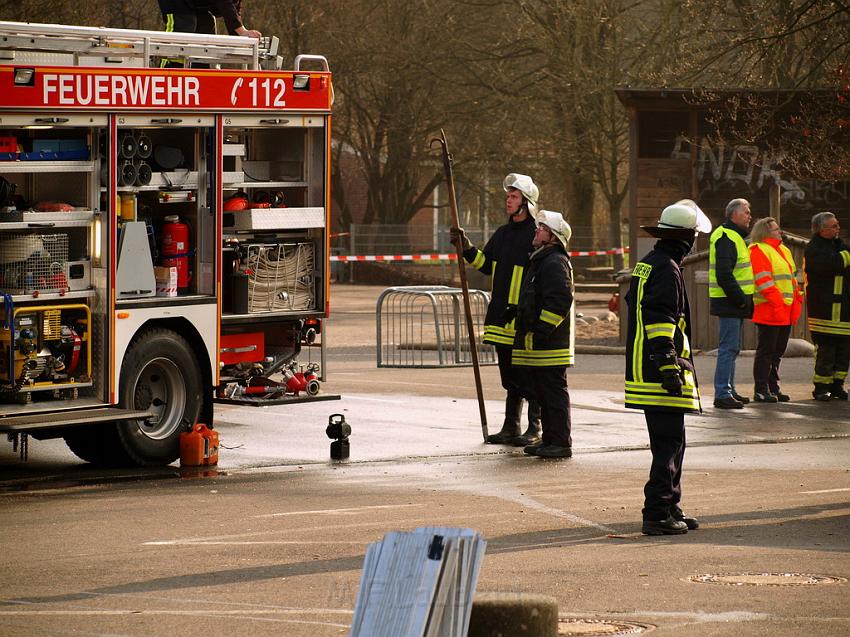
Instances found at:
x=470 y=328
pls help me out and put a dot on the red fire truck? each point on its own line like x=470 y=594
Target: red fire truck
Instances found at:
x=164 y=216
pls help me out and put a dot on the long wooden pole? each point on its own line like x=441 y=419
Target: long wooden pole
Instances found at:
x=470 y=328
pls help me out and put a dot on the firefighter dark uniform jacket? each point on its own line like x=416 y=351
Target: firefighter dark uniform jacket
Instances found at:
x=826 y=263
x=504 y=259
x=659 y=331
x=545 y=316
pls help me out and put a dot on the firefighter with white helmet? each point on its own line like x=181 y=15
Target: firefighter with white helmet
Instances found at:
x=545 y=329
x=660 y=377
x=526 y=186
x=504 y=258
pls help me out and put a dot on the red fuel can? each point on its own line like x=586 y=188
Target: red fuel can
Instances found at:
x=199 y=447
x=210 y=445
x=176 y=249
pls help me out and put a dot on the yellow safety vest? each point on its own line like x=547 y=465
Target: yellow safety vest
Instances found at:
x=743 y=271
x=782 y=276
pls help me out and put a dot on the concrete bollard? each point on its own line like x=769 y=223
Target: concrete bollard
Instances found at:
x=513 y=615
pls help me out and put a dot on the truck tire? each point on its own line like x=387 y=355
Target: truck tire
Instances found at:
x=159 y=373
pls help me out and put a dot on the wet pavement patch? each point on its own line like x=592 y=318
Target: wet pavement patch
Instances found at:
x=109 y=477
x=766 y=579
x=612 y=628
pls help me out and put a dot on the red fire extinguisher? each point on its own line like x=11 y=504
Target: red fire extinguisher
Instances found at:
x=176 y=250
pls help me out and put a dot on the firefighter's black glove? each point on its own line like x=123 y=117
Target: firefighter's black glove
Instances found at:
x=671 y=381
x=458 y=238
x=509 y=314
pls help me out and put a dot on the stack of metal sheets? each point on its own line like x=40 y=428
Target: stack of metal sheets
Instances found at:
x=419 y=584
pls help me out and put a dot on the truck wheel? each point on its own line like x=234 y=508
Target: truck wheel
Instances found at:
x=160 y=373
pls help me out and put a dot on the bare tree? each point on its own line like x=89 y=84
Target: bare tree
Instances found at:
x=587 y=48
x=799 y=47
x=398 y=82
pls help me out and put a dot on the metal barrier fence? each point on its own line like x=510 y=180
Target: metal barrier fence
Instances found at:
x=424 y=326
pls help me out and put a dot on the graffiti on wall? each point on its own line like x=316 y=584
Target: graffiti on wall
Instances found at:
x=721 y=167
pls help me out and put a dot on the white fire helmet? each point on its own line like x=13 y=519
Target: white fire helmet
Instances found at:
x=682 y=217
x=526 y=186
x=557 y=225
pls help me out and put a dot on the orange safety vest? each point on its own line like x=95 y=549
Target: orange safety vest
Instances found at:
x=777 y=298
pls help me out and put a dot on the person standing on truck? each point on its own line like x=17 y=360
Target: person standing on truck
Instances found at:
x=198 y=16
x=504 y=258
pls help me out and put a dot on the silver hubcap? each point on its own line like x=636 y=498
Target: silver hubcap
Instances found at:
x=160 y=388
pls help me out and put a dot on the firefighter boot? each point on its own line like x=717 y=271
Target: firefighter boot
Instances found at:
x=822 y=392
x=510 y=428
x=532 y=434
x=837 y=391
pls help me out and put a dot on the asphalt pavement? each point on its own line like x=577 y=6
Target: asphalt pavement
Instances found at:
x=272 y=540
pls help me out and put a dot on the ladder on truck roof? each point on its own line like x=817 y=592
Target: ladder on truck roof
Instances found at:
x=63 y=45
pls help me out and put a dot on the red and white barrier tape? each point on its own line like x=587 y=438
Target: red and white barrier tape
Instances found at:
x=453 y=257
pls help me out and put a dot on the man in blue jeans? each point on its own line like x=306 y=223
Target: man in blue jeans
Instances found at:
x=730 y=288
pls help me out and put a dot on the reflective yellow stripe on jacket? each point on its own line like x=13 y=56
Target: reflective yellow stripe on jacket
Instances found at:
x=502 y=334
x=639 y=392
x=499 y=335
x=641 y=271
x=653 y=394
x=516 y=284
x=824 y=326
x=530 y=357
x=834 y=324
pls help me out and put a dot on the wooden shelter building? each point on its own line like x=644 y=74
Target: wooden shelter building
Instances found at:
x=674 y=155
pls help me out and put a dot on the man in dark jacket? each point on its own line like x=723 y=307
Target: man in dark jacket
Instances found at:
x=730 y=288
x=504 y=258
x=660 y=376
x=543 y=346
x=198 y=16
x=827 y=269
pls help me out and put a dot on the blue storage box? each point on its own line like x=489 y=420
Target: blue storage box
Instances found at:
x=58 y=145
x=41 y=155
x=65 y=149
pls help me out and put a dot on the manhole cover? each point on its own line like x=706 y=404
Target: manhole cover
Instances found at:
x=766 y=579
x=600 y=627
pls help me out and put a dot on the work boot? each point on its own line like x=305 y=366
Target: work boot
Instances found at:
x=765 y=397
x=837 y=392
x=554 y=451
x=677 y=514
x=741 y=399
x=510 y=429
x=821 y=392
x=667 y=526
x=727 y=403
x=531 y=450
x=780 y=395
x=532 y=434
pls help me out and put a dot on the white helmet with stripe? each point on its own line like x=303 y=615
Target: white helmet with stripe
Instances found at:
x=680 y=220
